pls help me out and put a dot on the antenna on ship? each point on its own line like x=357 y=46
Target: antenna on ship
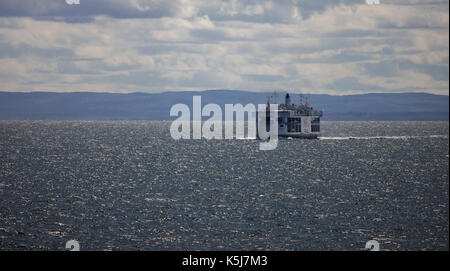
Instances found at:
x=268 y=102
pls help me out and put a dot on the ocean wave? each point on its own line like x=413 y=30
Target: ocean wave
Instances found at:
x=380 y=137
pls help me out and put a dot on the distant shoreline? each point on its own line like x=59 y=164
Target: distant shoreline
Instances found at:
x=156 y=106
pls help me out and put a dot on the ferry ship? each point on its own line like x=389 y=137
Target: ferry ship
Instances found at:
x=296 y=120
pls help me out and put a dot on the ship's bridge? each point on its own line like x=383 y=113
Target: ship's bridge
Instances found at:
x=294 y=120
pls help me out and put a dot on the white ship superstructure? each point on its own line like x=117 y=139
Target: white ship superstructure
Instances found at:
x=296 y=120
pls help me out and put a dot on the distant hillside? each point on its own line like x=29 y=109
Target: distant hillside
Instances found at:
x=142 y=106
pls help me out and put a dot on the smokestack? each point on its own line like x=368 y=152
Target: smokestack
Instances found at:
x=288 y=99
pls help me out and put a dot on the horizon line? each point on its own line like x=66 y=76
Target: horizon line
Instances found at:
x=279 y=91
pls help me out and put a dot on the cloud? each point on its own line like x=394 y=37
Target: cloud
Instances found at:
x=392 y=68
x=352 y=84
x=323 y=46
x=244 y=10
x=114 y=8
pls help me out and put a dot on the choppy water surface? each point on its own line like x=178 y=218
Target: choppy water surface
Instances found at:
x=130 y=186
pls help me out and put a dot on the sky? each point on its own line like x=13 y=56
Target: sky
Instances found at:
x=310 y=46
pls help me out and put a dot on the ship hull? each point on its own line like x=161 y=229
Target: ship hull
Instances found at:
x=301 y=135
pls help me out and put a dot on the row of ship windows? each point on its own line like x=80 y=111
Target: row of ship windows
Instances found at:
x=313 y=121
x=298 y=128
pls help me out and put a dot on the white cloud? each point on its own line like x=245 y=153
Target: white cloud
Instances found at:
x=153 y=46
